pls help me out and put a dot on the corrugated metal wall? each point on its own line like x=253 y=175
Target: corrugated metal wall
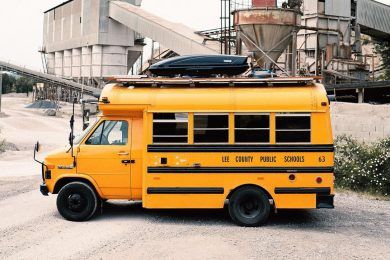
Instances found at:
x=374 y=18
x=338 y=7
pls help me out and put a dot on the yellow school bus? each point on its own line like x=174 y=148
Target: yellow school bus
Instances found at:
x=254 y=144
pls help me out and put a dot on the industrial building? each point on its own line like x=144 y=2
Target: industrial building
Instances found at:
x=86 y=41
x=82 y=43
x=310 y=38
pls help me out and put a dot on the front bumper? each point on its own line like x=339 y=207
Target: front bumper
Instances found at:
x=44 y=190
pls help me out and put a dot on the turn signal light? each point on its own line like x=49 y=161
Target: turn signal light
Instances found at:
x=50 y=167
x=319 y=180
x=105 y=100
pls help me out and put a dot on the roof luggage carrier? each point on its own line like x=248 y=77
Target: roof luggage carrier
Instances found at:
x=143 y=81
x=201 y=66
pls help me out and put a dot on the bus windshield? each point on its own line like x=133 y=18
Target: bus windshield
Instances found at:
x=81 y=135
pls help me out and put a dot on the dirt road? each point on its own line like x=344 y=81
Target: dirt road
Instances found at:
x=31 y=228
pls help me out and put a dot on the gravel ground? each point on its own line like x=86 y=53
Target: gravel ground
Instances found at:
x=31 y=228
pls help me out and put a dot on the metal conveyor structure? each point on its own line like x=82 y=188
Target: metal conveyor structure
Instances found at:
x=50 y=79
x=179 y=38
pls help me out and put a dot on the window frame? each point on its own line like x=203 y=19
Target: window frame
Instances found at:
x=171 y=121
x=97 y=125
x=252 y=114
x=213 y=129
x=286 y=114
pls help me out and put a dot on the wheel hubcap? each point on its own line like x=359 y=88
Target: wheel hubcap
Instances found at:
x=76 y=202
x=249 y=207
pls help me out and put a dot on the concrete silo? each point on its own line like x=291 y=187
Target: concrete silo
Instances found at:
x=82 y=43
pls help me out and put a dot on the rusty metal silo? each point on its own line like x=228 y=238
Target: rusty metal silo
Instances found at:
x=266 y=31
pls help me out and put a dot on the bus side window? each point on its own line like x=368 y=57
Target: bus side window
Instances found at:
x=293 y=128
x=110 y=133
x=94 y=139
x=211 y=128
x=251 y=128
x=170 y=128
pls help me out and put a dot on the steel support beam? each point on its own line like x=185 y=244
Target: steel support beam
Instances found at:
x=49 y=79
x=179 y=38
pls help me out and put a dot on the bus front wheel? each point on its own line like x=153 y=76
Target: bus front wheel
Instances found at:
x=249 y=207
x=77 y=201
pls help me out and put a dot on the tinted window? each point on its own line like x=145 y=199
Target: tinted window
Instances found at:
x=211 y=128
x=251 y=128
x=252 y=136
x=251 y=121
x=293 y=137
x=293 y=128
x=211 y=121
x=170 y=128
x=293 y=122
x=110 y=133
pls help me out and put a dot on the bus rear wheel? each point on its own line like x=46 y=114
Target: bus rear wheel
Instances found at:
x=249 y=207
x=77 y=201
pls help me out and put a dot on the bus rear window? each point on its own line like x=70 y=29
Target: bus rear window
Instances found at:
x=211 y=128
x=251 y=128
x=293 y=128
x=170 y=128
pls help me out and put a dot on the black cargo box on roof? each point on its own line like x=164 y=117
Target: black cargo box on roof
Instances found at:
x=201 y=65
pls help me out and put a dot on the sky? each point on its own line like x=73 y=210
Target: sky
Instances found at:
x=21 y=23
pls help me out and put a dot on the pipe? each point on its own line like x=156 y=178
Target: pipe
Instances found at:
x=325 y=30
x=294 y=54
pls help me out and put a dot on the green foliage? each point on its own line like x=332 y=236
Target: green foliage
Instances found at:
x=382 y=48
x=366 y=40
x=17 y=84
x=24 y=85
x=363 y=167
x=8 y=83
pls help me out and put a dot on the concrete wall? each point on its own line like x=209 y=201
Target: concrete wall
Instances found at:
x=81 y=41
x=82 y=23
x=363 y=121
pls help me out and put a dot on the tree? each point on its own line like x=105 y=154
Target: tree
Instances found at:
x=8 y=83
x=24 y=85
x=383 y=49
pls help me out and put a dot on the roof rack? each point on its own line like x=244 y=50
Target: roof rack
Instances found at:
x=142 y=81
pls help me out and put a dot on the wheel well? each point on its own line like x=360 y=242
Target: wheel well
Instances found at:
x=62 y=182
x=249 y=185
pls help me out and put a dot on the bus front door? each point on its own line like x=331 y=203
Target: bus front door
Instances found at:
x=105 y=157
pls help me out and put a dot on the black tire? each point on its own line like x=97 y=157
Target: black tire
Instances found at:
x=249 y=207
x=77 y=201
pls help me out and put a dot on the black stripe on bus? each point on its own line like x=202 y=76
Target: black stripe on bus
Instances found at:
x=185 y=190
x=241 y=148
x=240 y=170
x=320 y=191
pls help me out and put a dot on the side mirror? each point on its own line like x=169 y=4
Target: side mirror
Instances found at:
x=71 y=137
x=37 y=147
